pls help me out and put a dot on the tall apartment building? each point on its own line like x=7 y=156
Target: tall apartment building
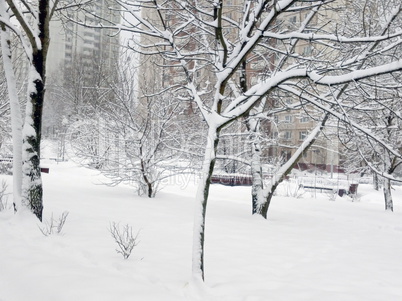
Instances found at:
x=72 y=43
x=79 y=56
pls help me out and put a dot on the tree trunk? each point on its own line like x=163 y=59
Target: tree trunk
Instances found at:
x=150 y=190
x=269 y=193
x=257 y=196
x=288 y=166
x=201 y=203
x=32 y=190
x=376 y=182
x=16 y=117
x=387 y=195
x=148 y=184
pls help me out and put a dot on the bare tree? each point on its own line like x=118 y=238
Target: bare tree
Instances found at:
x=142 y=132
x=124 y=238
x=379 y=109
x=373 y=102
x=127 y=140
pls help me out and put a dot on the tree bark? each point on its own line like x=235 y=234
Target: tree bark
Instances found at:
x=387 y=195
x=376 y=184
x=257 y=196
x=148 y=184
x=16 y=116
x=201 y=203
x=389 y=164
x=32 y=192
x=275 y=181
x=288 y=166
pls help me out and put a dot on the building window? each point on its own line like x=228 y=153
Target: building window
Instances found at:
x=287 y=135
x=288 y=118
x=304 y=119
x=307 y=50
x=302 y=135
x=292 y=19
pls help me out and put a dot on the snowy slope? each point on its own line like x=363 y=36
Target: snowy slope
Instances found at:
x=309 y=249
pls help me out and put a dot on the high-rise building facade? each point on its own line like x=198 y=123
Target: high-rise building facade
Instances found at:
x=72 y=42
x=81 y=63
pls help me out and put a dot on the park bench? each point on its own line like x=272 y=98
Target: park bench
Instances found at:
x=9 y=160
x=232 y=180
x=352 y=189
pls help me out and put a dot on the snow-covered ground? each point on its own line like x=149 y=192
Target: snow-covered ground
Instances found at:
x=310 y=248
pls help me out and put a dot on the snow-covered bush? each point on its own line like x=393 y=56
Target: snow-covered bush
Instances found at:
x=53 y=226
x=355 y=197
x=3 y=196
x=292 y=189
x=6 y=168
x=332 y=194
x=6 y=157
x=124 y=238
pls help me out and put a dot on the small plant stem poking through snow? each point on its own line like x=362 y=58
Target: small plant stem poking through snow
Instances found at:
x=54 y=226
x=124 y=239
